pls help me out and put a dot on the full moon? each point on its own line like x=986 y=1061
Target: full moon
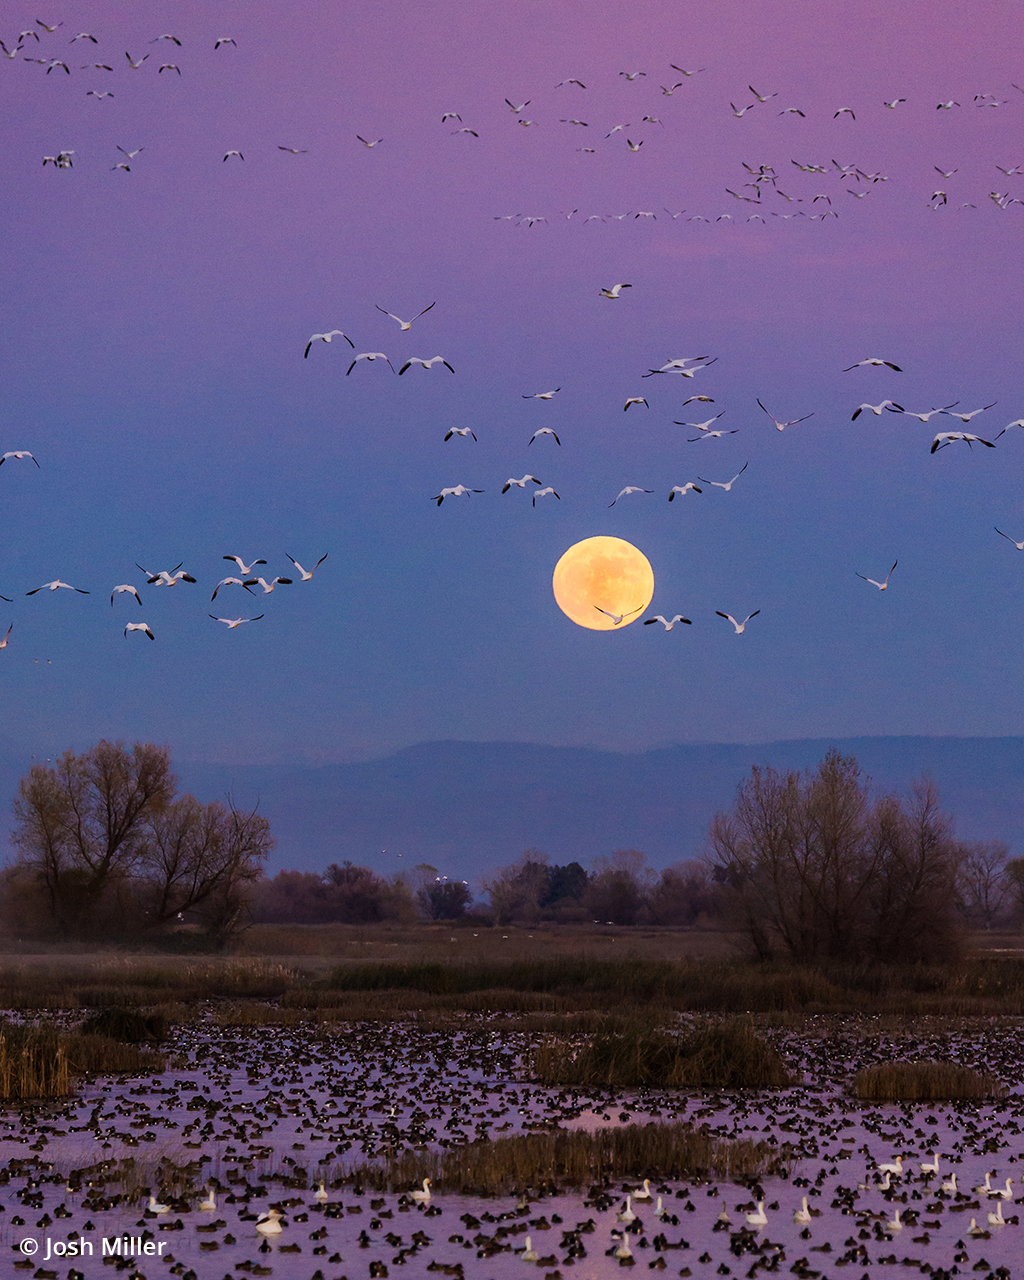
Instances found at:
x=603 y=573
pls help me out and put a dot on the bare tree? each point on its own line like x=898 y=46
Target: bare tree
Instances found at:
x=817 y=871
x=983 y=885
x=112 y=847
x=82 y=824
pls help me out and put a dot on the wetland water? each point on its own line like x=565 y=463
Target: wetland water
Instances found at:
x=270 y=1111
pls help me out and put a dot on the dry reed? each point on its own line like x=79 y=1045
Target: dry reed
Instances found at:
x=575 y=1158
x=923 y=1082
x=636 y=1054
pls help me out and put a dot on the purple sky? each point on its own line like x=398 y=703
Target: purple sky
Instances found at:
x=154 y=323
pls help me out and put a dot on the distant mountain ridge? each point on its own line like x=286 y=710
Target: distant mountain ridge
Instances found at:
x=467 y=807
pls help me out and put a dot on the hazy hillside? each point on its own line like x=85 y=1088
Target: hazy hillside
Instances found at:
x=466 y=807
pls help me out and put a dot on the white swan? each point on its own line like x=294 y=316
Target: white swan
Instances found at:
x=321 y=1194
x=950 y=1183
x=645 y=1192
x=996 y=1219
x=893 y=1223
x=623 y=1251
x=154 y=1207
x=983 y=1188
x=210 y=1203
x=269 y=1223
x=423 y=1196
x=724 y=1215
x=660 y=1211
x=895 y=1167
x=529 y=1254
x=626 y=1214
x=975 y=1230
x=1001 y=1194
x=759 y=1218
x=803 y=1214
x=933 y=1166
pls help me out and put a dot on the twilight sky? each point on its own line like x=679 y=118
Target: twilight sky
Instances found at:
x=154 y=322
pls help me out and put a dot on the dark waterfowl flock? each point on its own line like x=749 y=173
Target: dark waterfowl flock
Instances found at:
x=241 y=1157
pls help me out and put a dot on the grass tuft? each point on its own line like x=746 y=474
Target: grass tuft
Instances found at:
x=923 y=1082
x=575 y=1158
x=634 y=1054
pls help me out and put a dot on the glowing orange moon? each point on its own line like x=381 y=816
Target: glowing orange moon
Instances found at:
x=603 y=573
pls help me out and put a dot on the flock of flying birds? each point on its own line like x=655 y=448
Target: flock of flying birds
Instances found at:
x=171 y=578
x=685 y=367
x=756 y=188
x=759 y=188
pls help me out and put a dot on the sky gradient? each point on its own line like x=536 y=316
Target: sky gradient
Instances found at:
x=154 y=323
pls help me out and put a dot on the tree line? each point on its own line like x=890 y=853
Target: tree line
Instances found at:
x=813 y=867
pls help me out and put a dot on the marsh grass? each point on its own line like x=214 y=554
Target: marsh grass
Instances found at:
x=636 y=1053
x=558 y=981
x=98 y=982
x=574 y=1158
x=923 y=1082
x=38 y=1061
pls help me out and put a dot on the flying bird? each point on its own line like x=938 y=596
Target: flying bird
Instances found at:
x=139 y=626
x=844 y=111
x=369 y=144
x=635 y=400
x=169 y=66
x=727 y=486
x=228 y=154
x=243 y=568
x=125 y=587
x=630 y=488
x=543 y=395
x=701 y=426
x=543 y=431
x=458 y=491
x=1018 y=545
x=326 y=337
x=224 y=40
x=1019 y=422
x=738 y=625
x=427 y=364
x=520 y=484
x=614 y=291
x=966 y=417
x=232 y=623
x=306 y=574
x=3 y=642
x=667 y=623
x=543 y=493
x=135 y=65
x=894 y=104
x=682 y=490
x=875 y=361
x=521 y=106
x=460 y=431
x=406 y=325
x=52 y=586
x=371 y=356
x=876 y=409
x=618 y=617
x=945 y=438
x=165 y=579
x=925 y=417
x=18 y=454
x=882 y=586
x=268 y=587
x=294 y=151
x=227 y=582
